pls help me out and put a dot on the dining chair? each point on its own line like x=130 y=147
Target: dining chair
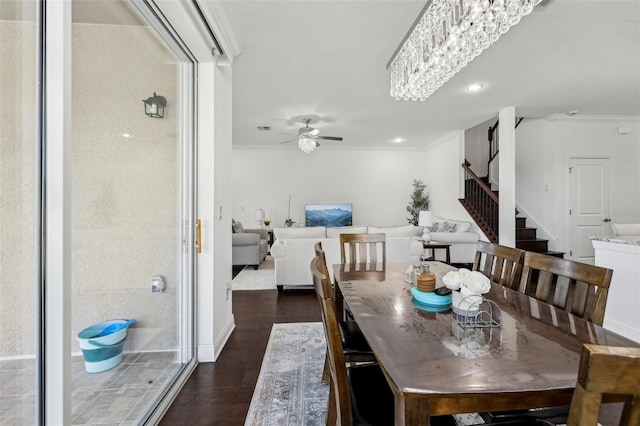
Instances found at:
x=578 y=288
x=501 y=264
x=363 y=248
x=354 y=344
x=603 y=370
x=358 y=394
x=575 y=287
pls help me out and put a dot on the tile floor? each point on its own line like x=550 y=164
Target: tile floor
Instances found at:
x=114 y=397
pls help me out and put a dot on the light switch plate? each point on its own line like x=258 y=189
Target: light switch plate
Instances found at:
x=157 y=284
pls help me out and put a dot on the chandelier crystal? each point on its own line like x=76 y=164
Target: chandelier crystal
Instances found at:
x=447 y=35
x=306 y=144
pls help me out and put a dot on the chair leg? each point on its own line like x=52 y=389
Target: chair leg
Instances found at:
x=332 y=415
x=326 y=373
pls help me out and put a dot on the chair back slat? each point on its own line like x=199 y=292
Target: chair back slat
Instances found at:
x=340 y=389
x=363 y=248
x=501 y=264
x=606 y=370
x=576 y=287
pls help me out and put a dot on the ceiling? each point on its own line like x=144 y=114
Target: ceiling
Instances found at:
x=327 y=60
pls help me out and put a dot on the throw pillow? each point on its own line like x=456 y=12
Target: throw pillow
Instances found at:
x=447 y=227
x=236 y=227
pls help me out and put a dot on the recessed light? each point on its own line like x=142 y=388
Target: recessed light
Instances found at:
x=398 y=140
x=572 y=112
x=475 y=87
x=125 y=135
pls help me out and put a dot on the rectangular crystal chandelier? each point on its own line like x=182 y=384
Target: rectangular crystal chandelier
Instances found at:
x=445 y=37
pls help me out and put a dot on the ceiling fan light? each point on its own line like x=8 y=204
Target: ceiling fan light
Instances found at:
x=306 y=144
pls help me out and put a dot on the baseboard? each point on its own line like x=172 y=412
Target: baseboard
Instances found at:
x=206 y=353
x=622 y=330
x=220 y=341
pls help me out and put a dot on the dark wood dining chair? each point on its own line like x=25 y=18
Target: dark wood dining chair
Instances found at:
x=575 y=287
x=501 y=264
x=604 y=370
x=354 y=344
x=363 y=248
x=358 y=394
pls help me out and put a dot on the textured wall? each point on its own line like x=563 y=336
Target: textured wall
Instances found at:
x=17 y=188
x=125 y=193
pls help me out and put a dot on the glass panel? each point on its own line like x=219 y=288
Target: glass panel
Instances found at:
x=127 y=194
x=18 y=211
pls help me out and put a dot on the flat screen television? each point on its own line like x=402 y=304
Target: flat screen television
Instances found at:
x=330 y=215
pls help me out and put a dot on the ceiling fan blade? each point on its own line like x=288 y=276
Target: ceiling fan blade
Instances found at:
x=290 y=134
x=331 y=138
x=290 y=140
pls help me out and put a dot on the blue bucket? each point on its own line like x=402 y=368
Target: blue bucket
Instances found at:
x=102 y=353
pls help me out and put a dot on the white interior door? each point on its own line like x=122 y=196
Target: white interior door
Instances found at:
x=588 y=205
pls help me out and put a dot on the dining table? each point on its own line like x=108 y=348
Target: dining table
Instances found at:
x=526 y=356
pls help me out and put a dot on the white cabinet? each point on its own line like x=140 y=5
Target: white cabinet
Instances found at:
x=623 y=304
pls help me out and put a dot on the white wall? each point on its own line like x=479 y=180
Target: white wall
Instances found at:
x=543 y=148
x=377 y=182
x=442 y=167
x=476 y=147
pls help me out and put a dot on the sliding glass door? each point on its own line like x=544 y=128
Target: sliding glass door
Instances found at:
x=96 y=211
x=131 y=175
x=19 y=213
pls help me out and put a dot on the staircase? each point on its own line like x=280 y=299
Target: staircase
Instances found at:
x=481 y=202
x=526 y=239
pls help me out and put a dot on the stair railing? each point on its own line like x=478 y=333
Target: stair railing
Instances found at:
x=482 y=202
x=494 y=142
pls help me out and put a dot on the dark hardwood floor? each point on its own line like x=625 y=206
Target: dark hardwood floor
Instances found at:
x=219 y=393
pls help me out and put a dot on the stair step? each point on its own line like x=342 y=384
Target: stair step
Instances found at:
x=555 y=254
x=538 y=245
x=521 y=222
x=526 y=233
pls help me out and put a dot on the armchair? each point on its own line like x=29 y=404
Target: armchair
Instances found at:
x=249 y=247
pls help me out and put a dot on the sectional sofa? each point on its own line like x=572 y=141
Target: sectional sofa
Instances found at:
x=293 y=248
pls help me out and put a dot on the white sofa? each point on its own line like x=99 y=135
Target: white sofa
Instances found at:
x=293 y=249
x=625 y=231
x=458 y=233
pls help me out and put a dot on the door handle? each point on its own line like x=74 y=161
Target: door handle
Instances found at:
x=198 y=236
x=606 y=219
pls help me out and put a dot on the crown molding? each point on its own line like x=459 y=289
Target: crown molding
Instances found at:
x=593 y=118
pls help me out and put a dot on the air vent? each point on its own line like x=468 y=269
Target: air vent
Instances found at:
x=264 y=128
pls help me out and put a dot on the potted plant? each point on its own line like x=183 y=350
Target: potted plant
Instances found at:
x=289 y=222
x=266 y=222
x=419 y=201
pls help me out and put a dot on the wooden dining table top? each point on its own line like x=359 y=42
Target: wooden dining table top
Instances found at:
x=436 y=367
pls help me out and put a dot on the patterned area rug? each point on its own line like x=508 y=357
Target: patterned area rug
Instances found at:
x=289 y=389
x=261 y=279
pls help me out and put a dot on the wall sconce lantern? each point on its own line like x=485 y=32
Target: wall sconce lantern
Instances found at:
x=154 y=106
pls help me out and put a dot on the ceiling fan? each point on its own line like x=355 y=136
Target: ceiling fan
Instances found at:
x=308 y=137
